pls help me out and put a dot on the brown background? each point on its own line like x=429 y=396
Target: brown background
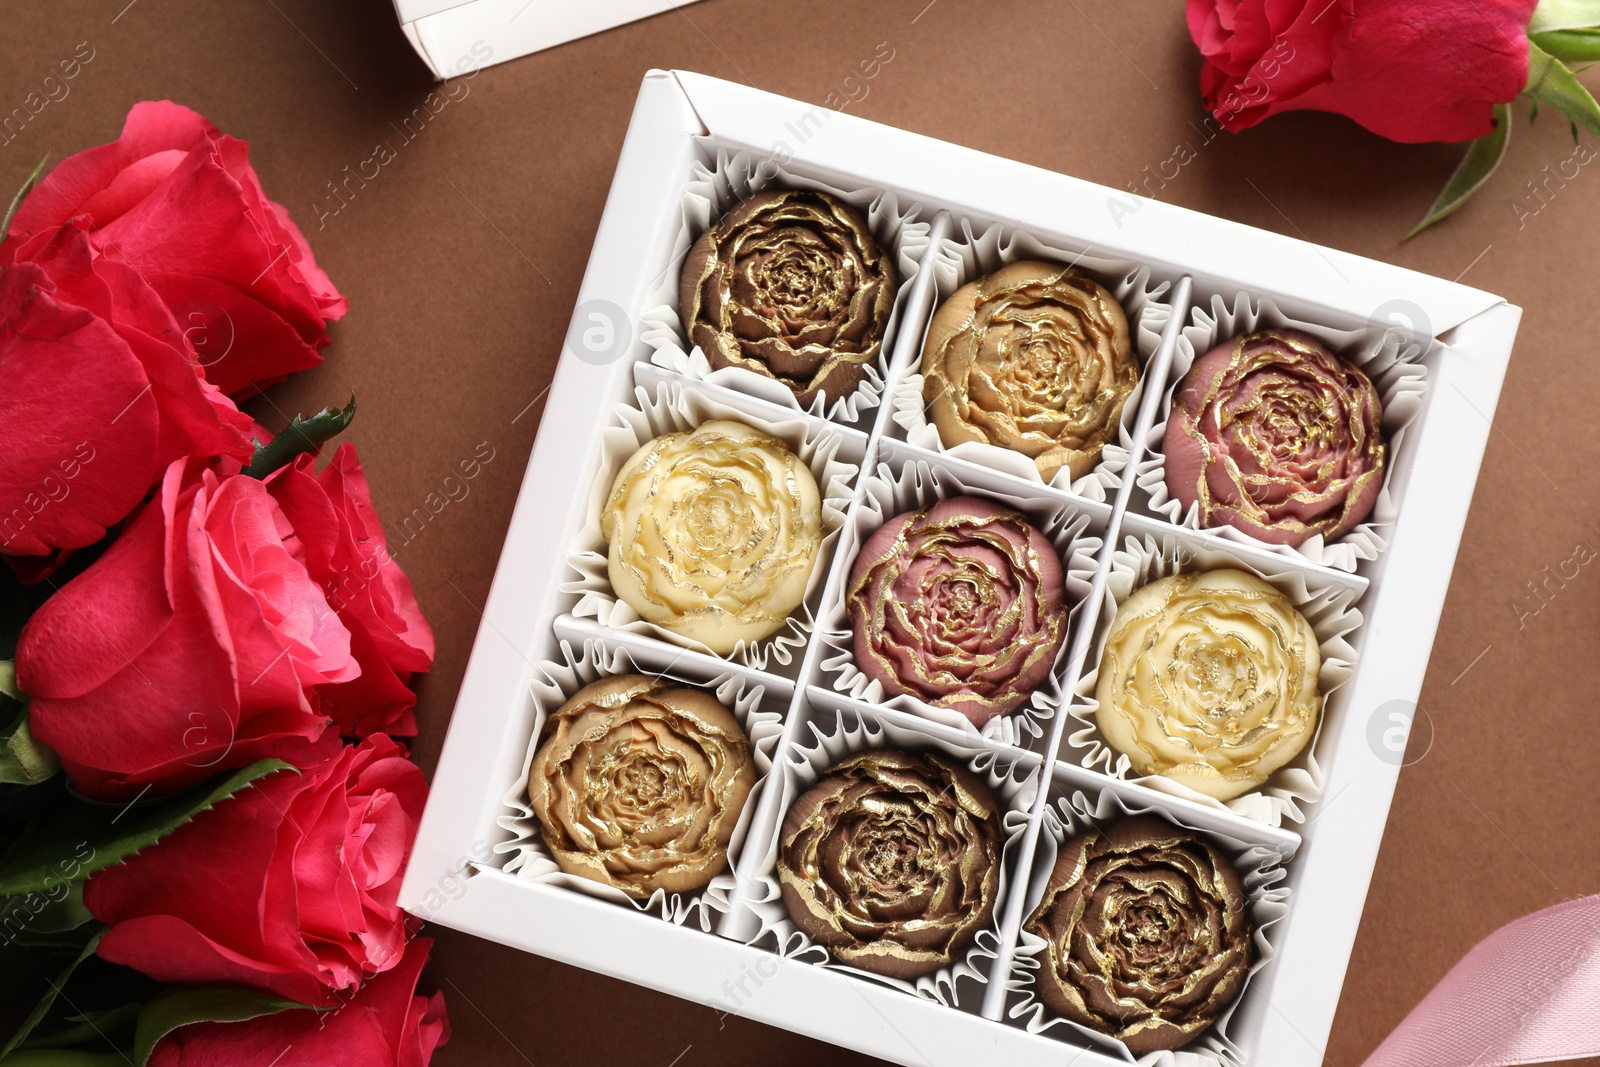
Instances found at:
x=462 y=262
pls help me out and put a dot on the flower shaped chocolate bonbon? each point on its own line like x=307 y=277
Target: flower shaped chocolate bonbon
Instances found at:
x=639 y=784
x=1209 y=679
x=1274 y=435
x=1035 y=358
x=961 y=604
x=713 y=533
x=1146 y=934
x=892 y=861
x=790 y=285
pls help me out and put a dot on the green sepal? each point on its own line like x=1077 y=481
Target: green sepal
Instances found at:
x=16 y=201
x=1482 y=158
x=300 y=436
x=200 y=1004
x=24 y=760
x=1551 y=82
x=1569 y=46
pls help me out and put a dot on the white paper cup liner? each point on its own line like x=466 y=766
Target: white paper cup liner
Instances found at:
x=1326 y=606
x=920 y=484
x=1260 y=870
x=676 y=407
x=715 y=185
x=1381 y=353
x=554 y=682
x=826 y=739
x=967 y=256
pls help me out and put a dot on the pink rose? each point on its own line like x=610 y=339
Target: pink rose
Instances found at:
x=347 y=554
x=290 y=885
x=384 y=1025
x=102 y=391
x=196 y=643
x=1408 y=70
x=1276 y=436
x=179 y=202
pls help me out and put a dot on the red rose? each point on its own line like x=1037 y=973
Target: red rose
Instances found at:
x=289 y=885
x=384 y=1025
x=194 y=644
x=101 y=393
x=1408 y=70
x=181 y=204
x=347 y=554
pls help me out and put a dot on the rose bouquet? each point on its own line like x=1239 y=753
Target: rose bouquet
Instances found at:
x=204 y=812
x=1408 y=70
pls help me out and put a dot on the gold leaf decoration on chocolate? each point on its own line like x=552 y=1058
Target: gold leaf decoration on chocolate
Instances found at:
x=639 y=784
x=892 y=861
x=1146 y=931
x=961 y=604
x=1211 y=680
x=713 y=533
x=790 y=285
x=1035 y=358
x=1275 y=435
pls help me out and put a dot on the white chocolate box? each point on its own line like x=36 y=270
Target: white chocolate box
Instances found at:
x=1305 y=843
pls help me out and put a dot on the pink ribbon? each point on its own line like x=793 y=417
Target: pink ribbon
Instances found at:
x=1527 y=993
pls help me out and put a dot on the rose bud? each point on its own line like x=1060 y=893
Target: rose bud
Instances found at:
x=1146 y=934
x=1035 y=358
x=790 y=285
x=639 y=784
x=180 y=202
x=1209 y=679
x=290 y=885
x=1408 y=71
x=1274 y=435
x=386 y=1024
x=713 y=533
x=195 y=644
x=892 y=861
x=961 y=605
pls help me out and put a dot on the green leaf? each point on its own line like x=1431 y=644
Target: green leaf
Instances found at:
x=1564 y=15
x=1571 y=46
x=63 y=1058
x=300 y=436
x=1482 y=157
x=16 y=201
x=80 y=839
x=8 y=680
x=42 y=1008
x=90 y=1026
x=23 y=759
x=200 y=1004
x=35 y=914
x=1551 y=82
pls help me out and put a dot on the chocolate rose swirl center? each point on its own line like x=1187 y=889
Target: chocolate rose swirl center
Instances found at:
x=1289 y=426
x=961 y=609
x=1048 y=369
x=634 y=783
x=1221 y=674
x=1218 y=680
x=799 y=280
x=719 y=523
